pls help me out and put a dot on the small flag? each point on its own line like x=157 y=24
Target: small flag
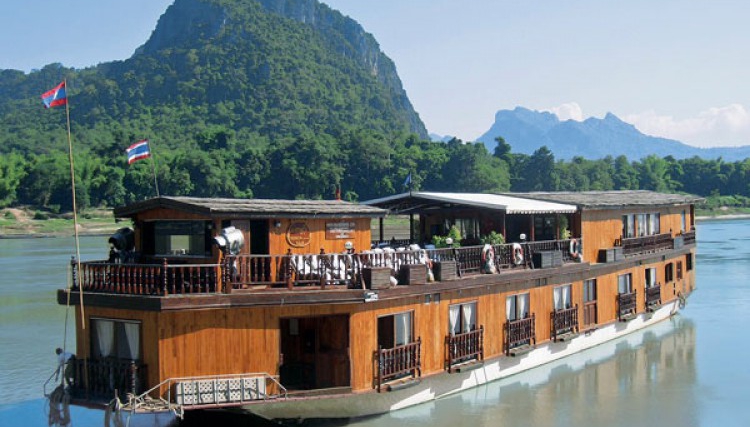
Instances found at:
x=407 y=181
x=55 y=97
x=138 y=151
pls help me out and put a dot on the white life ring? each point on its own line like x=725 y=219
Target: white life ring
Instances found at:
x=517 y=254
x=575 y=250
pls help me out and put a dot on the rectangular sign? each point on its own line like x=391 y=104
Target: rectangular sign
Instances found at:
x=339 y=230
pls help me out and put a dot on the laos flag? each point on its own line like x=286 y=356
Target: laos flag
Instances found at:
x=55 y=97
x=138 y=151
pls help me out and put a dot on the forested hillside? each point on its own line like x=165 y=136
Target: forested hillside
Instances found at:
x=273 y=99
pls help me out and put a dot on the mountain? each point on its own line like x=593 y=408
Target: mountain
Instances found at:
x=264 y=69
x=526 y=130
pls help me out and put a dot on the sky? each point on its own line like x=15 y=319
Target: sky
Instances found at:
x=674 y=68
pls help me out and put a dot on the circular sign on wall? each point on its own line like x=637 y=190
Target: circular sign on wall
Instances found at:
x=298 y=235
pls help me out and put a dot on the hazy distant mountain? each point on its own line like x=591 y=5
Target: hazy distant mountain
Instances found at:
x=440 y=138
x=526 y=130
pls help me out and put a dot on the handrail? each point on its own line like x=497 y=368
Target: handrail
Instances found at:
x=397 y=361
x=626 y=305
x=520 y=332
x=170 y=382
x=258 y=272
x=465 y=346
x=653 y=296
x=564 y=321
x=645 y=244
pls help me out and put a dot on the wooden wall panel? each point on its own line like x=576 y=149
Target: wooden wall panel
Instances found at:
x=601 y=228
x=280 y=245
x=149 y=334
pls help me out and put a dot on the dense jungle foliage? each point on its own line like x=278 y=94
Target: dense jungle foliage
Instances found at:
x=270 y=99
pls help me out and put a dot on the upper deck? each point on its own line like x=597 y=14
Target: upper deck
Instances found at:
x=176 y=256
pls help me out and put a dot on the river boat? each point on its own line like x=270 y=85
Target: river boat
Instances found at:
x=294 y=309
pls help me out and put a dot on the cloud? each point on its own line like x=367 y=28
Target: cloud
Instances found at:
x=568 y=111
x=715 y=127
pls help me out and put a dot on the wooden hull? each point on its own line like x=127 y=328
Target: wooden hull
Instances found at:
x=442 y=384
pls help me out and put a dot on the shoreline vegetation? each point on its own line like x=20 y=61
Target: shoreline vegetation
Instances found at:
x=25 y=223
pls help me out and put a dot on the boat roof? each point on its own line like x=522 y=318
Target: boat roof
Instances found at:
x=613 y=199
x=254 y=208
x=421 y=200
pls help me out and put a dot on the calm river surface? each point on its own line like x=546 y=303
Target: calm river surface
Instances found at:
x=689 y=371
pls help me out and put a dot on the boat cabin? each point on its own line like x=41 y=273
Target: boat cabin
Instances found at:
x=204 y=297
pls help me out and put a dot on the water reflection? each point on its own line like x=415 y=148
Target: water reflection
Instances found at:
x=623 y=383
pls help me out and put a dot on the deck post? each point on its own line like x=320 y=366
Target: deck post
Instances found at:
x=164 y=270
x=289 y=270
x=74 y=273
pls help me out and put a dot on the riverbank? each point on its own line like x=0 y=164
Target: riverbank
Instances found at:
x=22 y=223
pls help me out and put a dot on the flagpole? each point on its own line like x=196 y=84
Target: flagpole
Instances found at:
x=75 y=208
x=153 y=168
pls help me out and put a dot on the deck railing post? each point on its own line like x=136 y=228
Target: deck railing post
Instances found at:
x=164 y=270
x=289 y=270
x=74 y=273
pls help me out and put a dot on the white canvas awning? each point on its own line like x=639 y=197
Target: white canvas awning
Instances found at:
x=509 y=204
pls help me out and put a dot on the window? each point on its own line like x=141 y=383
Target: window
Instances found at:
x=641 y=221
x=177 y=238
x=628 y=226
x=562 y=297
x=517 y=306
x=462 y=318
x=669 y=272
x=589 y=302
x=683 y=221
x=395 y=330
x=625 y=283
x=650 y=277
x=120 y=339
x=679 y=270
x=469 y=227
x=689 y=262
x=653 y=226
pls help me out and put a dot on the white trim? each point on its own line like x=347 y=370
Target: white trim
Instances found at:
x=443 y=384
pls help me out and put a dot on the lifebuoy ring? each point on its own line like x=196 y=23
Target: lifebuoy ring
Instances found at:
x=517 y=254
x=574 y=250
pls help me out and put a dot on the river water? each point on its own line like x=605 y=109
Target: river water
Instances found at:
x=688 y=371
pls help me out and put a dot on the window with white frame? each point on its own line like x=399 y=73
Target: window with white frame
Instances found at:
x=654 y=224
x=517 y=306
x=625 y=283
x=642 y=220
x=628 y=226
x=683 y=221
x=462 y=318
x=650 y=277
x=120 y=339
x=562 y=296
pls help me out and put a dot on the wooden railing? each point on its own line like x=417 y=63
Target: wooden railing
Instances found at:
x=626 y=306
x=653 y=297
x=105 y=377
x=251 y=272
x=646 y=244
x=397 y=362
x=564 y=321
x=519 y=333
x=146 y=279
x=464 y=347
x=688 y=237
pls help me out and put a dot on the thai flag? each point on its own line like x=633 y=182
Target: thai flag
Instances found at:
x=138 y=151
x=55 y=97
